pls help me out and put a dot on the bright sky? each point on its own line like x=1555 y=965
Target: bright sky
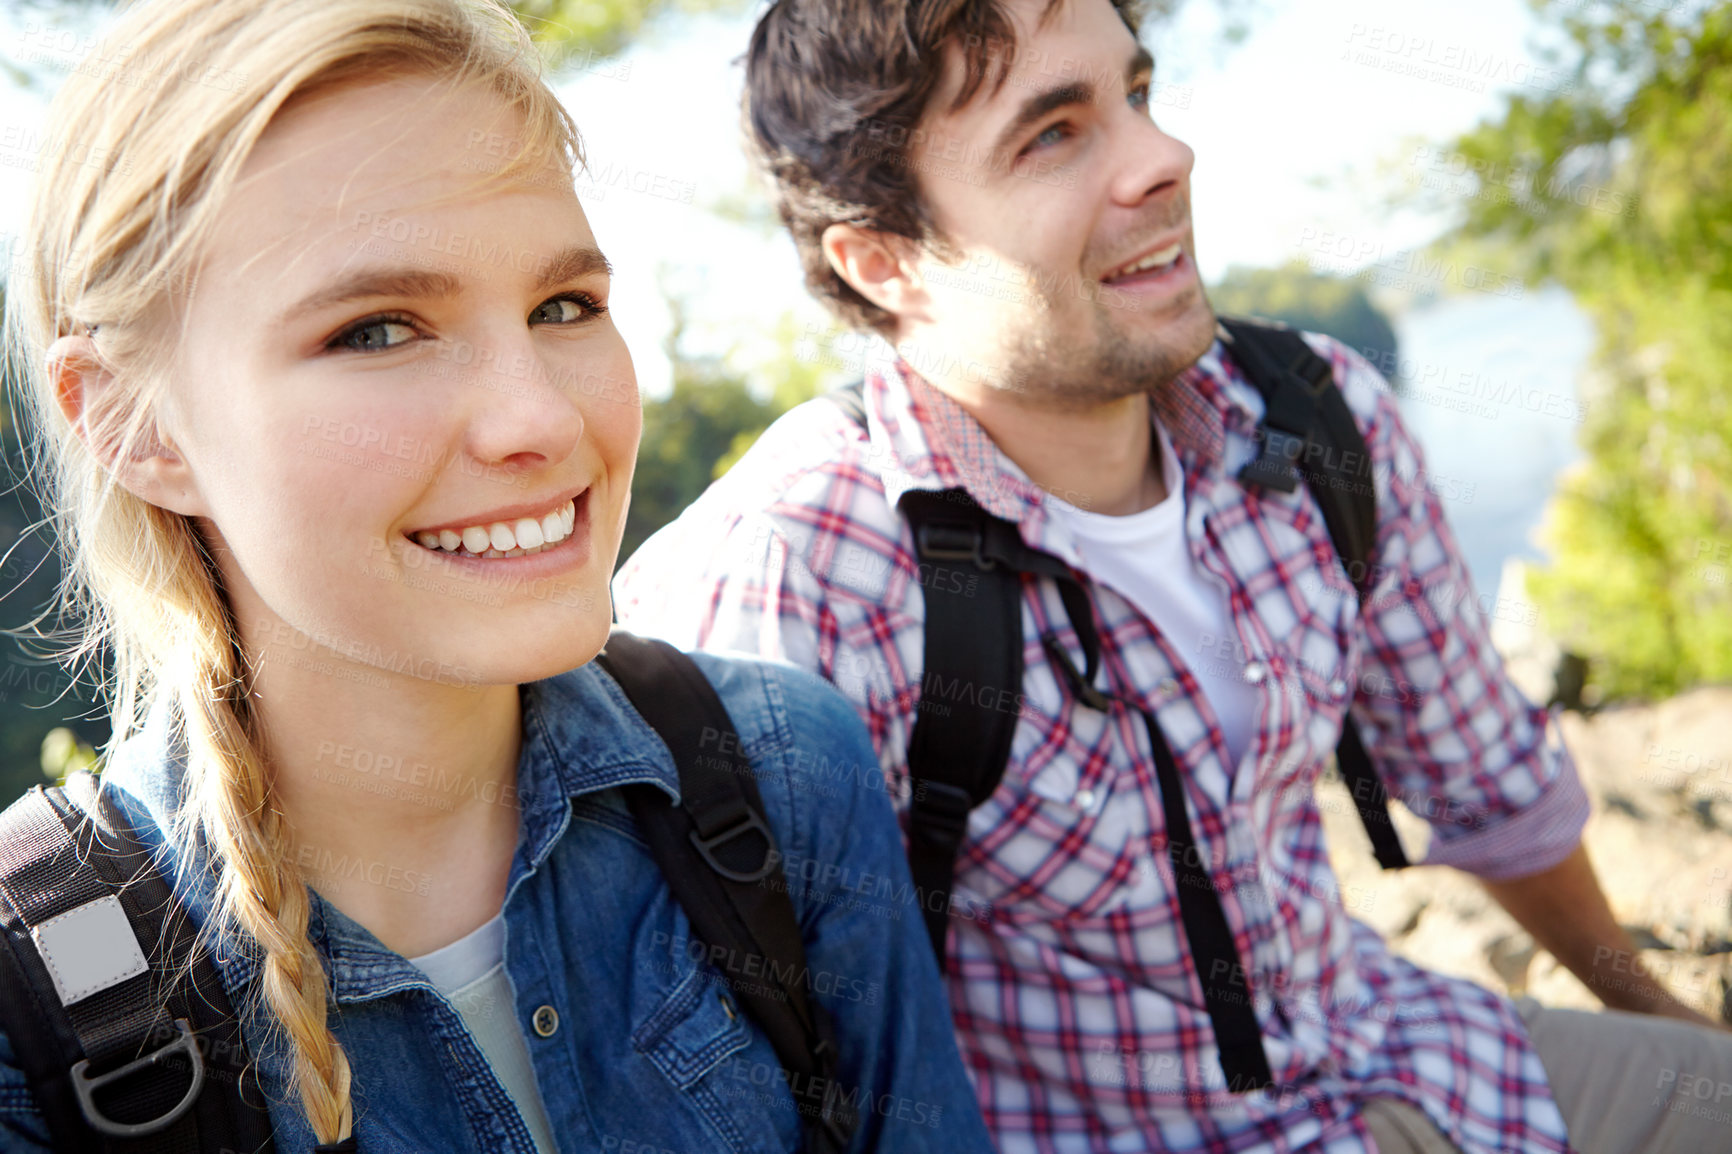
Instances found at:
x=1289 y=138
x=1298 y=131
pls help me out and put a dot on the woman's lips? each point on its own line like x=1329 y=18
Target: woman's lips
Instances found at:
x=569 y=552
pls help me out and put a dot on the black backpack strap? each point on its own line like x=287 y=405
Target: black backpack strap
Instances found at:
x=1309 y=431
x=851 y=399
x=971 y=567
x=1226 y=982
x=123 y=1054
x=715 y=850
x=973 y=646
x=962 y=736
x=973 y=642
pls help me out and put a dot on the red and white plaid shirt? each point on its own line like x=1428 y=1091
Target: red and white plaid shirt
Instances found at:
x=1079 y=1011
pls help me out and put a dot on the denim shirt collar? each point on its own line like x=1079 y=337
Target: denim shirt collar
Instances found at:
x=580 y=735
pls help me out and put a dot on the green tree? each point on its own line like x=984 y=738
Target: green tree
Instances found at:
x=581 y=31
x=708 y=420
x=1305 y=299
x=1619 y=185
x=685 y=434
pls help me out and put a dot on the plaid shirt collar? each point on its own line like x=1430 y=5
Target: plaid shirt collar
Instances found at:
x=937 y=444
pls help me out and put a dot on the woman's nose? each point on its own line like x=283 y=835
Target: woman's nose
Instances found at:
x=522 y=409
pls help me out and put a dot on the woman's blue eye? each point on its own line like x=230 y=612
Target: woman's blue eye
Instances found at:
x=370 y=335
x=581 y=305
x=1139 y=96
x=374 y=334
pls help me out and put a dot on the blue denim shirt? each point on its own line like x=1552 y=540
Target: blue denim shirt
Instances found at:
x=650 y=1055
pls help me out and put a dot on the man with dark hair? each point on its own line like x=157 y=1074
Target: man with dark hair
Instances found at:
x=1147 y=948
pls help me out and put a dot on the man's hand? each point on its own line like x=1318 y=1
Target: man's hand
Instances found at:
x=1565 y=910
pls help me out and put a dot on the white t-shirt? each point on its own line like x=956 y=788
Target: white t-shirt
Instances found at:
x=470 y=972
x=1144 y=558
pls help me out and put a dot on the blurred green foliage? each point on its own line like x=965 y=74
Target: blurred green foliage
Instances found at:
x=578 y=32
x=1620 y=188
x=707 y=421
x=1299 y=296
x=36 y=694
x=63 y=754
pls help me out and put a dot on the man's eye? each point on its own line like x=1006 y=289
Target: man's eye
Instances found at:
x=567 y=308
x=1051 y=136
x=374 y=334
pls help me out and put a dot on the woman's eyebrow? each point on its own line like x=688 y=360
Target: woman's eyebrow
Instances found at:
x=567 y=264
x=572 y=263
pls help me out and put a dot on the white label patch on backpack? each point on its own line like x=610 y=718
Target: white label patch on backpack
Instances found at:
x=89 y=949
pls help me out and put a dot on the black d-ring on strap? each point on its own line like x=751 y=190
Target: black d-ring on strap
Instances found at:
x=85 y=1086
x=751 y=822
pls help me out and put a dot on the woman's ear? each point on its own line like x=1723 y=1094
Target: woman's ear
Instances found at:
x=89 y=395
x=881 y=267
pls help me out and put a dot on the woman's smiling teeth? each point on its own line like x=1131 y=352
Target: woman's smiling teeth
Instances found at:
x=520 y=537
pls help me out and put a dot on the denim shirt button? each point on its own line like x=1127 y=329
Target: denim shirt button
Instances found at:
x=727 y=1006
x=545 y=1021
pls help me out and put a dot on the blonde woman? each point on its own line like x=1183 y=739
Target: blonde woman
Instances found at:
x=337 y=435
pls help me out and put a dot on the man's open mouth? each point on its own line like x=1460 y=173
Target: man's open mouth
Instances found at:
x=1154 y=264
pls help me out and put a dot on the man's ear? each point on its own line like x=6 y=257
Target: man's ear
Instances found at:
x=879 y=266
x=88 y=394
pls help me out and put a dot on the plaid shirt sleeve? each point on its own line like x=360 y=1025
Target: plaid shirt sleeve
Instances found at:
x=1451 y=735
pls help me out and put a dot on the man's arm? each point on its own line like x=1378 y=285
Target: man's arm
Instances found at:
x=1566 y=912
x=1458 y=733
x=1449 y=733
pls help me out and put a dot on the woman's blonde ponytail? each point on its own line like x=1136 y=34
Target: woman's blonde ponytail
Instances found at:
x=262 y=892
x=110 y=248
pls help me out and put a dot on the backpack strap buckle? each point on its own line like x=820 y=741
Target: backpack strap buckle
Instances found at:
x=749 y=822
x=85 y=1086
x=1274 y=467
x=939 y=817
x=952 y=541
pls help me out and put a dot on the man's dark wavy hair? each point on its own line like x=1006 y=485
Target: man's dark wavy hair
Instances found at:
x=834 y=92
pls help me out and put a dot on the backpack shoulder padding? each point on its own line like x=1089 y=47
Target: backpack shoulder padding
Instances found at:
x=127 y=1049
x=1309 y=431
x=715 y=850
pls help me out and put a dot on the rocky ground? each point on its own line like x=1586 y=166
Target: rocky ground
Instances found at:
x=1660 y=839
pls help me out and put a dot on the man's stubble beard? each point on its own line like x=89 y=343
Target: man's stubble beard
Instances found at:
x=1052 y=373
